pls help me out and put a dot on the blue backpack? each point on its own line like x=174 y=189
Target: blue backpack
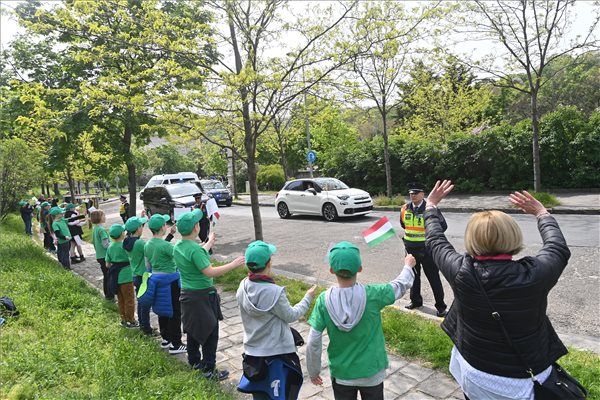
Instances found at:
x=8 y=308
x=274 y=384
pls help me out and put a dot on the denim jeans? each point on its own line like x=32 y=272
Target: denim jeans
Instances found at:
x=142 y=311
x=27 y=221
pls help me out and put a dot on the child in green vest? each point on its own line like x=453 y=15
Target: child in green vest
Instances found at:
x=351 y=313
x=101 y=242
x=119 y=270
x=62 y=234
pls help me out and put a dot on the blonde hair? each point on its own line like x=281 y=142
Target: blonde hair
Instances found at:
x=490 y=233
x=96 y=216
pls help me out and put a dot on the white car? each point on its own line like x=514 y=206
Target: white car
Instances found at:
x=328 y=197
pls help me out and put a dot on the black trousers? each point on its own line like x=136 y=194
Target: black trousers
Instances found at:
x=104 y=270
x=170 y=328
x=63 y=254
x=432 y=273
x=341 y=392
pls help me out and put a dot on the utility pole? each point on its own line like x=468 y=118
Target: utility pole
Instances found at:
x=306 y=123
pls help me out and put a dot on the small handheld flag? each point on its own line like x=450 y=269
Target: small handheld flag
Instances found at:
x=212 y=209
x=379 y=232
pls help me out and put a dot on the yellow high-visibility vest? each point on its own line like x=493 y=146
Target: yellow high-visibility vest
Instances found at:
x=414 y=225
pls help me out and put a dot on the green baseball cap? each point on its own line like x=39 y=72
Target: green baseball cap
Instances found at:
x=116 y=230
x=187 y=221
x=22 y=203
x=258 y=254
x=56 y=211
x=134 y=223
x=345 y=256
x=44 y=204
x=157 y=221
x=70 y=206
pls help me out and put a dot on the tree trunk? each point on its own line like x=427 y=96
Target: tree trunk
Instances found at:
x=234 y=191
x=258 y=233
x=87 y=187
x=127 y=137
x=282 y=158
x=71 y=185
x=386 y=156
x=535 y=124
x=56 y=189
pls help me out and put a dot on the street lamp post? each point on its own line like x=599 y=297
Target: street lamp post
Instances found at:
x=306 y=123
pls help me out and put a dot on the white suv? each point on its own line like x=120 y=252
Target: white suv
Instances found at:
x=328 y=197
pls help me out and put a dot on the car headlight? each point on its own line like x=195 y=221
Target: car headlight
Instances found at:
x=343 y=197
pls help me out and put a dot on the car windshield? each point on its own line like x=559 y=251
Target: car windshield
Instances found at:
x=212 y=185
x=331 y=184
x=181 y=190
x=154 y=182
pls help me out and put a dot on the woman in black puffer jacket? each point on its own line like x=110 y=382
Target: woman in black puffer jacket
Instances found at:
x=482 y=363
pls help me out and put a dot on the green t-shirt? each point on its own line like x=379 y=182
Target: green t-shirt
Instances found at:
x=191 y=259
x=160 y=254
x=359 y=353
x=117 y=254
x=61 y=225
x=98 y=235
x=136 y=258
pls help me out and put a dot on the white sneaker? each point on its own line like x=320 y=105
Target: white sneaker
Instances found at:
x=165 y=344
x=178 y=350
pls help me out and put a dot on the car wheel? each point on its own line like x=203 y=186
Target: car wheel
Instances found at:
x=228 y=204
x=283 y=211
x=329 y=212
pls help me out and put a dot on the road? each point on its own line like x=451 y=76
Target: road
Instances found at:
x=302 y=243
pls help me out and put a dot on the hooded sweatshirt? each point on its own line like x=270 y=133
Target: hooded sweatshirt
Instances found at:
x=352 y=318
x=266 y=313
x=135 y=251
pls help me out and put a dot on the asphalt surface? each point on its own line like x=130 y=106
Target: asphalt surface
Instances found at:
x=303 y=242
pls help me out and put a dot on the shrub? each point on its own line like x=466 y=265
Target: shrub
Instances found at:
x=270 y=177
x=381 y=200
x=547 y=199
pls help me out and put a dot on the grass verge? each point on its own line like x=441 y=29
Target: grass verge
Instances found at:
x=383 y=201
x=417 y=338
x=67 y=343
x=547 y=199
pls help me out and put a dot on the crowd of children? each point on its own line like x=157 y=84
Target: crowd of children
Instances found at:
x=176 y=283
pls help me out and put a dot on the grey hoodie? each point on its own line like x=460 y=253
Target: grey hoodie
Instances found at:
x=266 y=313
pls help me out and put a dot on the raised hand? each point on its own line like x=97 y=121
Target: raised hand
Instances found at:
x=439 y=191
x=312 y=291
x=526 y=202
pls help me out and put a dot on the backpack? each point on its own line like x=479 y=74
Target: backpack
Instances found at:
x=8 y=308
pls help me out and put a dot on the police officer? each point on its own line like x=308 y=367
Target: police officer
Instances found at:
x=205 y=221
x=411 y=219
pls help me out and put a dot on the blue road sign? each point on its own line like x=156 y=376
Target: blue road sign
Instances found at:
x=311 y=156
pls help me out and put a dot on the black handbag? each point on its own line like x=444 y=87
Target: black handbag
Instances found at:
x=559 y=385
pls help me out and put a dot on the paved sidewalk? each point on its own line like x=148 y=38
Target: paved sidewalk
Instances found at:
x=407 y=380
x=571 y=203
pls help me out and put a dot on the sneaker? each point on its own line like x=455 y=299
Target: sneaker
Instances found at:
x=216 y=374
x=442 y=313
x=178 y=350
x=152 y=333
x=131 y=325
x=165 y=344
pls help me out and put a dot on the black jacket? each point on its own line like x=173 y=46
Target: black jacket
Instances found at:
x=519 y=292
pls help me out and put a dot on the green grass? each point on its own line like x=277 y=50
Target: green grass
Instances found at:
x=547 y=199
x=67 y=343
x=382 y=201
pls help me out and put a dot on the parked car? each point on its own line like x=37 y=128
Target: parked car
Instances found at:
x=217 y=190
x=328 y=197
x=162 y=199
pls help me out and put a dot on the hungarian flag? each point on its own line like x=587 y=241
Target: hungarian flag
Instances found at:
x=212 y=209
x=379 y=232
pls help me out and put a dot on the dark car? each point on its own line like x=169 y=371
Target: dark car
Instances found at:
x=162 y=199
x=217 y=191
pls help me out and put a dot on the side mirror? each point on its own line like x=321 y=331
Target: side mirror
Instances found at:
x=312 y=190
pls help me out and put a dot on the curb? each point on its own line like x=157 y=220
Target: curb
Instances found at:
x=469 y=210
